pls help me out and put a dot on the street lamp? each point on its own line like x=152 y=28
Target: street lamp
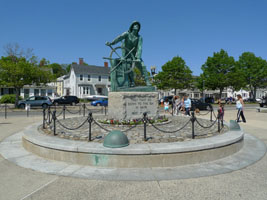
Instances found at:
x=153 y=70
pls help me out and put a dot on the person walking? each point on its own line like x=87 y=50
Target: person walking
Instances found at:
x=240 y=108
x=177 y=105
x=187 y=105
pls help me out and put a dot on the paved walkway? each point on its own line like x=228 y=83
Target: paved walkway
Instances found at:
x=249 y=183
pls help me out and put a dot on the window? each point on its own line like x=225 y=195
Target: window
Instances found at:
x=99 y=91
x=43 y=92
x=31 y=99
x=108 y=78
x=99 y=78
x=26 y=93
x=83 y=90
x=89 y=77
x=87 y=90
x=49 y=92
x=81 y=77
x=36 y=92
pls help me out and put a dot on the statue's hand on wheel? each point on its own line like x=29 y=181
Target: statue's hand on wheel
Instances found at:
x=108 y=43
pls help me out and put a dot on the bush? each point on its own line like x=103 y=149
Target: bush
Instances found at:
x=9 y=98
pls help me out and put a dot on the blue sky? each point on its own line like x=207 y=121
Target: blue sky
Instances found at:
x=64 y=30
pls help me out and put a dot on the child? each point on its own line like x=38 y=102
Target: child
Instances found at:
x=166 y=105
x=221 y=110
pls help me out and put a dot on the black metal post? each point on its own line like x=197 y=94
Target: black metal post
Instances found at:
x=43 y=118
x=105 y=110
x=64 y=110
x=211 y=110
x=193 y=119
x=145 y=121
x=218 y=117
x=102 y=109
x=54 y=121
x=84 y=109
x=90 y=120
x=27 y=110
x=5 y=111
x=49 y=112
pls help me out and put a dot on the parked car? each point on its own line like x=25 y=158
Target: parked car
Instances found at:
x=250 y=100
x=71 y=100
x=209 y=100
x=95 y=97
x=35 y=101
x=100 y=102
x=263 y=102
x=197 y=104
x=229 y=100
x=169 y=98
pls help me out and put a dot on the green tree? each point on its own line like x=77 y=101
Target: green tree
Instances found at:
x=68 y=68
x=138 y=78
x=254 y=71
x=57 y=69
x=217 y=71
x=17 y=71
x=175 y=75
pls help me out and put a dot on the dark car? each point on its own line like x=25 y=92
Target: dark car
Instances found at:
x=169 y=98
x=197 y=104
x=71 y=100
x=209 y=100
x=230 y=100
x=263 y=102
x=100 y=102
x=250 y=100
x=35 y=101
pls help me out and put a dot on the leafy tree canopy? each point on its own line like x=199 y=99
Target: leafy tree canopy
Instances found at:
x=217 y=71
x=253 y=70
x=175 y=74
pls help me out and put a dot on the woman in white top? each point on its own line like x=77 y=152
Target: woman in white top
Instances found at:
x=240 y=107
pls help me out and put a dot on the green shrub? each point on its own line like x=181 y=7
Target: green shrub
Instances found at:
x=9 y=98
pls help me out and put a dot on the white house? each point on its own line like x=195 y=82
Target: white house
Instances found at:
x=31 y=90
x=84 y=80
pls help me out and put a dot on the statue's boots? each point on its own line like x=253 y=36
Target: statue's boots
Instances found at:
x=147 y=81
x=145 y=74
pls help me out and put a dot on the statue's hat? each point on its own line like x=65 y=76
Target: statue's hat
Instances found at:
x=134 y=23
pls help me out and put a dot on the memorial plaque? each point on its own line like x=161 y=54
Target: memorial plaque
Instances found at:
x=132 y=105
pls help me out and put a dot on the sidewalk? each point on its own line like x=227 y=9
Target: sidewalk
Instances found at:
x=249 y=183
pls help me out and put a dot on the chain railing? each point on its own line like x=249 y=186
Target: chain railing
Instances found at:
x=47 y=120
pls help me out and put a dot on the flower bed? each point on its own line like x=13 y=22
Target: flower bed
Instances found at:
x=160 y=119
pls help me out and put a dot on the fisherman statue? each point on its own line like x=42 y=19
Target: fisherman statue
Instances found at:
x=121 y=72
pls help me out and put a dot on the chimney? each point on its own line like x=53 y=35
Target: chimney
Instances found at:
x=80 y=61
x=105 y=64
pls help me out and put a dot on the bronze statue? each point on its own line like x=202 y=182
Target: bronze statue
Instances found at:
x=122 y=75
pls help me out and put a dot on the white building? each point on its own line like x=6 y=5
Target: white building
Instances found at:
x=30 y=90
x=84 y=80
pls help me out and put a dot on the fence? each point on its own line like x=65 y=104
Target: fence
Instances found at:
x=6 y=109
x=51 y=117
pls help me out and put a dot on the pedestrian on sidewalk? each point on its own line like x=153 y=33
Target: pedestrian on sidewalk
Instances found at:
x=240 y=108
x=187 y=105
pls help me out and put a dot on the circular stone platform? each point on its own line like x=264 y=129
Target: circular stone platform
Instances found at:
x=252 y=151
x=135 y=155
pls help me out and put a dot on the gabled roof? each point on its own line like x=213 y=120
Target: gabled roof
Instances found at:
x=91 y=69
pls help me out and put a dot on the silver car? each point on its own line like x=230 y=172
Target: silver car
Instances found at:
x=35 y=101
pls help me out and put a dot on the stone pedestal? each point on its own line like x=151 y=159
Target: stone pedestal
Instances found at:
x=132 y=105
